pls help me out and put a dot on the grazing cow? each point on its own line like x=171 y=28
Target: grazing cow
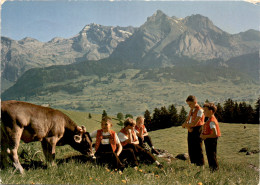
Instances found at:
x=29 y=122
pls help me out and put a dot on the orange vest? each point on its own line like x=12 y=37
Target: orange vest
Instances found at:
x=112 y=139
x=206 y=127
x=133 y=136
x=194 y=115
x=139 y=130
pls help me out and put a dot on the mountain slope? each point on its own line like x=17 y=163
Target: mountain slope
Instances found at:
x=162 y=39
x=93 y=42
x=116 y=86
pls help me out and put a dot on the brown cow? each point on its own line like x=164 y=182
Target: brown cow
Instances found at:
x=29 y=122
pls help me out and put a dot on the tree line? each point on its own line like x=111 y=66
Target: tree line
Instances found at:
x=230 y=112
x=165 y=117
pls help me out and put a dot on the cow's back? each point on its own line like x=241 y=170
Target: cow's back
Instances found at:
x=37 y=121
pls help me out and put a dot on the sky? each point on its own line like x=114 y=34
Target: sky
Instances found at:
x=44 y=20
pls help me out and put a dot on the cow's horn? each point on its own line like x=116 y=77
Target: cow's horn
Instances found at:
x=77 y=138
x=84 y=128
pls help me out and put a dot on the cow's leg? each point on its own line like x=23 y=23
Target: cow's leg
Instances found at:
x=4 y=161
x=15 y=136
x=48 y=146
x=4 y=155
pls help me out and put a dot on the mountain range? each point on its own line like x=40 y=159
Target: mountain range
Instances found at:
x=161 y=39
x=93 y=42
x=190 y=50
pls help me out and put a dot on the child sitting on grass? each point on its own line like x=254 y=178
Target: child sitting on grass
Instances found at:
x=128 y=139
x=210 y=135
x=108 y=146
x=142 y=134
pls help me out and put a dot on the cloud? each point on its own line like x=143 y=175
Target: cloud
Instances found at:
x=2 y=2
x=256 y=2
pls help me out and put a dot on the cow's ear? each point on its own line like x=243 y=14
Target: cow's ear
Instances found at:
x=77 y=138
x=84 y=128
x=79 y=129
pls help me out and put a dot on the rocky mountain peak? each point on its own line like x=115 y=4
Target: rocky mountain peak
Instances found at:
x=56 y=40
x=157 y=16
x=91 y=27
x=29 y=39
x=159 y=13
x=200 y=23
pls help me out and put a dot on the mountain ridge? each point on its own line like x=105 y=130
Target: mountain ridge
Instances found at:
x=160 y=42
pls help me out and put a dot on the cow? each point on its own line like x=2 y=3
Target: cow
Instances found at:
x=30 y=122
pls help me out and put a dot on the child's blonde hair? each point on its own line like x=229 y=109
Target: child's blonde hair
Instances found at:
x=129 y=121
x=139 y=118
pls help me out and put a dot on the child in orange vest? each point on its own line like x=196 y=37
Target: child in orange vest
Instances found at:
x=142 y=134
x=193 y=123
x=210 y=135
x=108 y=147
x=128 y=139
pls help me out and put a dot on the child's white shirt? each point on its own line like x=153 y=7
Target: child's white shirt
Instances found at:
x=122 y=137
x=212 y=125
x=104 y=141
x=199 y=114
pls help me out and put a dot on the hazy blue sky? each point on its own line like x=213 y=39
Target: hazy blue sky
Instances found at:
x=46 y=20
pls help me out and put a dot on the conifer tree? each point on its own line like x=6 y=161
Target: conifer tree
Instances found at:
x=228 y=111
x=182 y=115
x=219 y=112
x=243 y=115
x=156 y=121
x=173 y=115
x=104 y=114
x=236 y=113
x=165 y=118
x=89 y=116
x=147 y=120
x=250 y=113
x=256 y=112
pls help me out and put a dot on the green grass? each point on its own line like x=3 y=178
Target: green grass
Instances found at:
x=135 y=93
x=234 y=166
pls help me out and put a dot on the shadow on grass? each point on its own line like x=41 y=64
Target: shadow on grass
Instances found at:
x=40 y=164
x=34 y=165
x=77 y=159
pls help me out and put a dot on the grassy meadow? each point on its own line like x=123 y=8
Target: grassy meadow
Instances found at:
x=133 y=91
x=73 y=168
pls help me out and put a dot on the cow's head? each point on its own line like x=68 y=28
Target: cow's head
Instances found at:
x=82 y=141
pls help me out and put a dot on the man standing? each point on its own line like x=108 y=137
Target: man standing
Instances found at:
x=193 y=123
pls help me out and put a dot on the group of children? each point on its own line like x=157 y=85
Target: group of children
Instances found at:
x=202 y=125
x=127 y=147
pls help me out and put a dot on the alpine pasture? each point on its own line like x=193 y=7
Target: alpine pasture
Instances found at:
x=73 y=168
